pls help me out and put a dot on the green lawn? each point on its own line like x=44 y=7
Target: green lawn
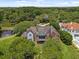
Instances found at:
x=68 y=52
x=5 y=42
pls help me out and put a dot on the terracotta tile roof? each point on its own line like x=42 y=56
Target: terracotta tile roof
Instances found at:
x=71 y=26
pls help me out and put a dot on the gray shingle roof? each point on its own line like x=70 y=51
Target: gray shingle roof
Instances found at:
x=40 y=30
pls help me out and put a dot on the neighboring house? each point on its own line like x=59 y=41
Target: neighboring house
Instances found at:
x=73 y=29
x=40 y=33
x=6 y=31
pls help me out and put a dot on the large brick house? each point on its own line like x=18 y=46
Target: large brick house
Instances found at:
x=40 y=32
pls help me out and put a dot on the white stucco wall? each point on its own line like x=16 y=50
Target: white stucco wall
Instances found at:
x=30 y=36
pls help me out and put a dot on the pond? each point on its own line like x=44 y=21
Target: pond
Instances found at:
x=6 y=33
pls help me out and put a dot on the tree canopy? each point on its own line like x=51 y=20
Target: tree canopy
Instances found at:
x=13 y=16
x=66 y=37
x=22 y=26
x=17 y=48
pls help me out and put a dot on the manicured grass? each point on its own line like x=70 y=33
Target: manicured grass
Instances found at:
x=5 y=43
x=68 y=52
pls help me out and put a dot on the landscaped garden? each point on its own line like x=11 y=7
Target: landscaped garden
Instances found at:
x=20 y=19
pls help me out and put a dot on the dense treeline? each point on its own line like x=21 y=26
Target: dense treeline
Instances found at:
x=12 y=16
